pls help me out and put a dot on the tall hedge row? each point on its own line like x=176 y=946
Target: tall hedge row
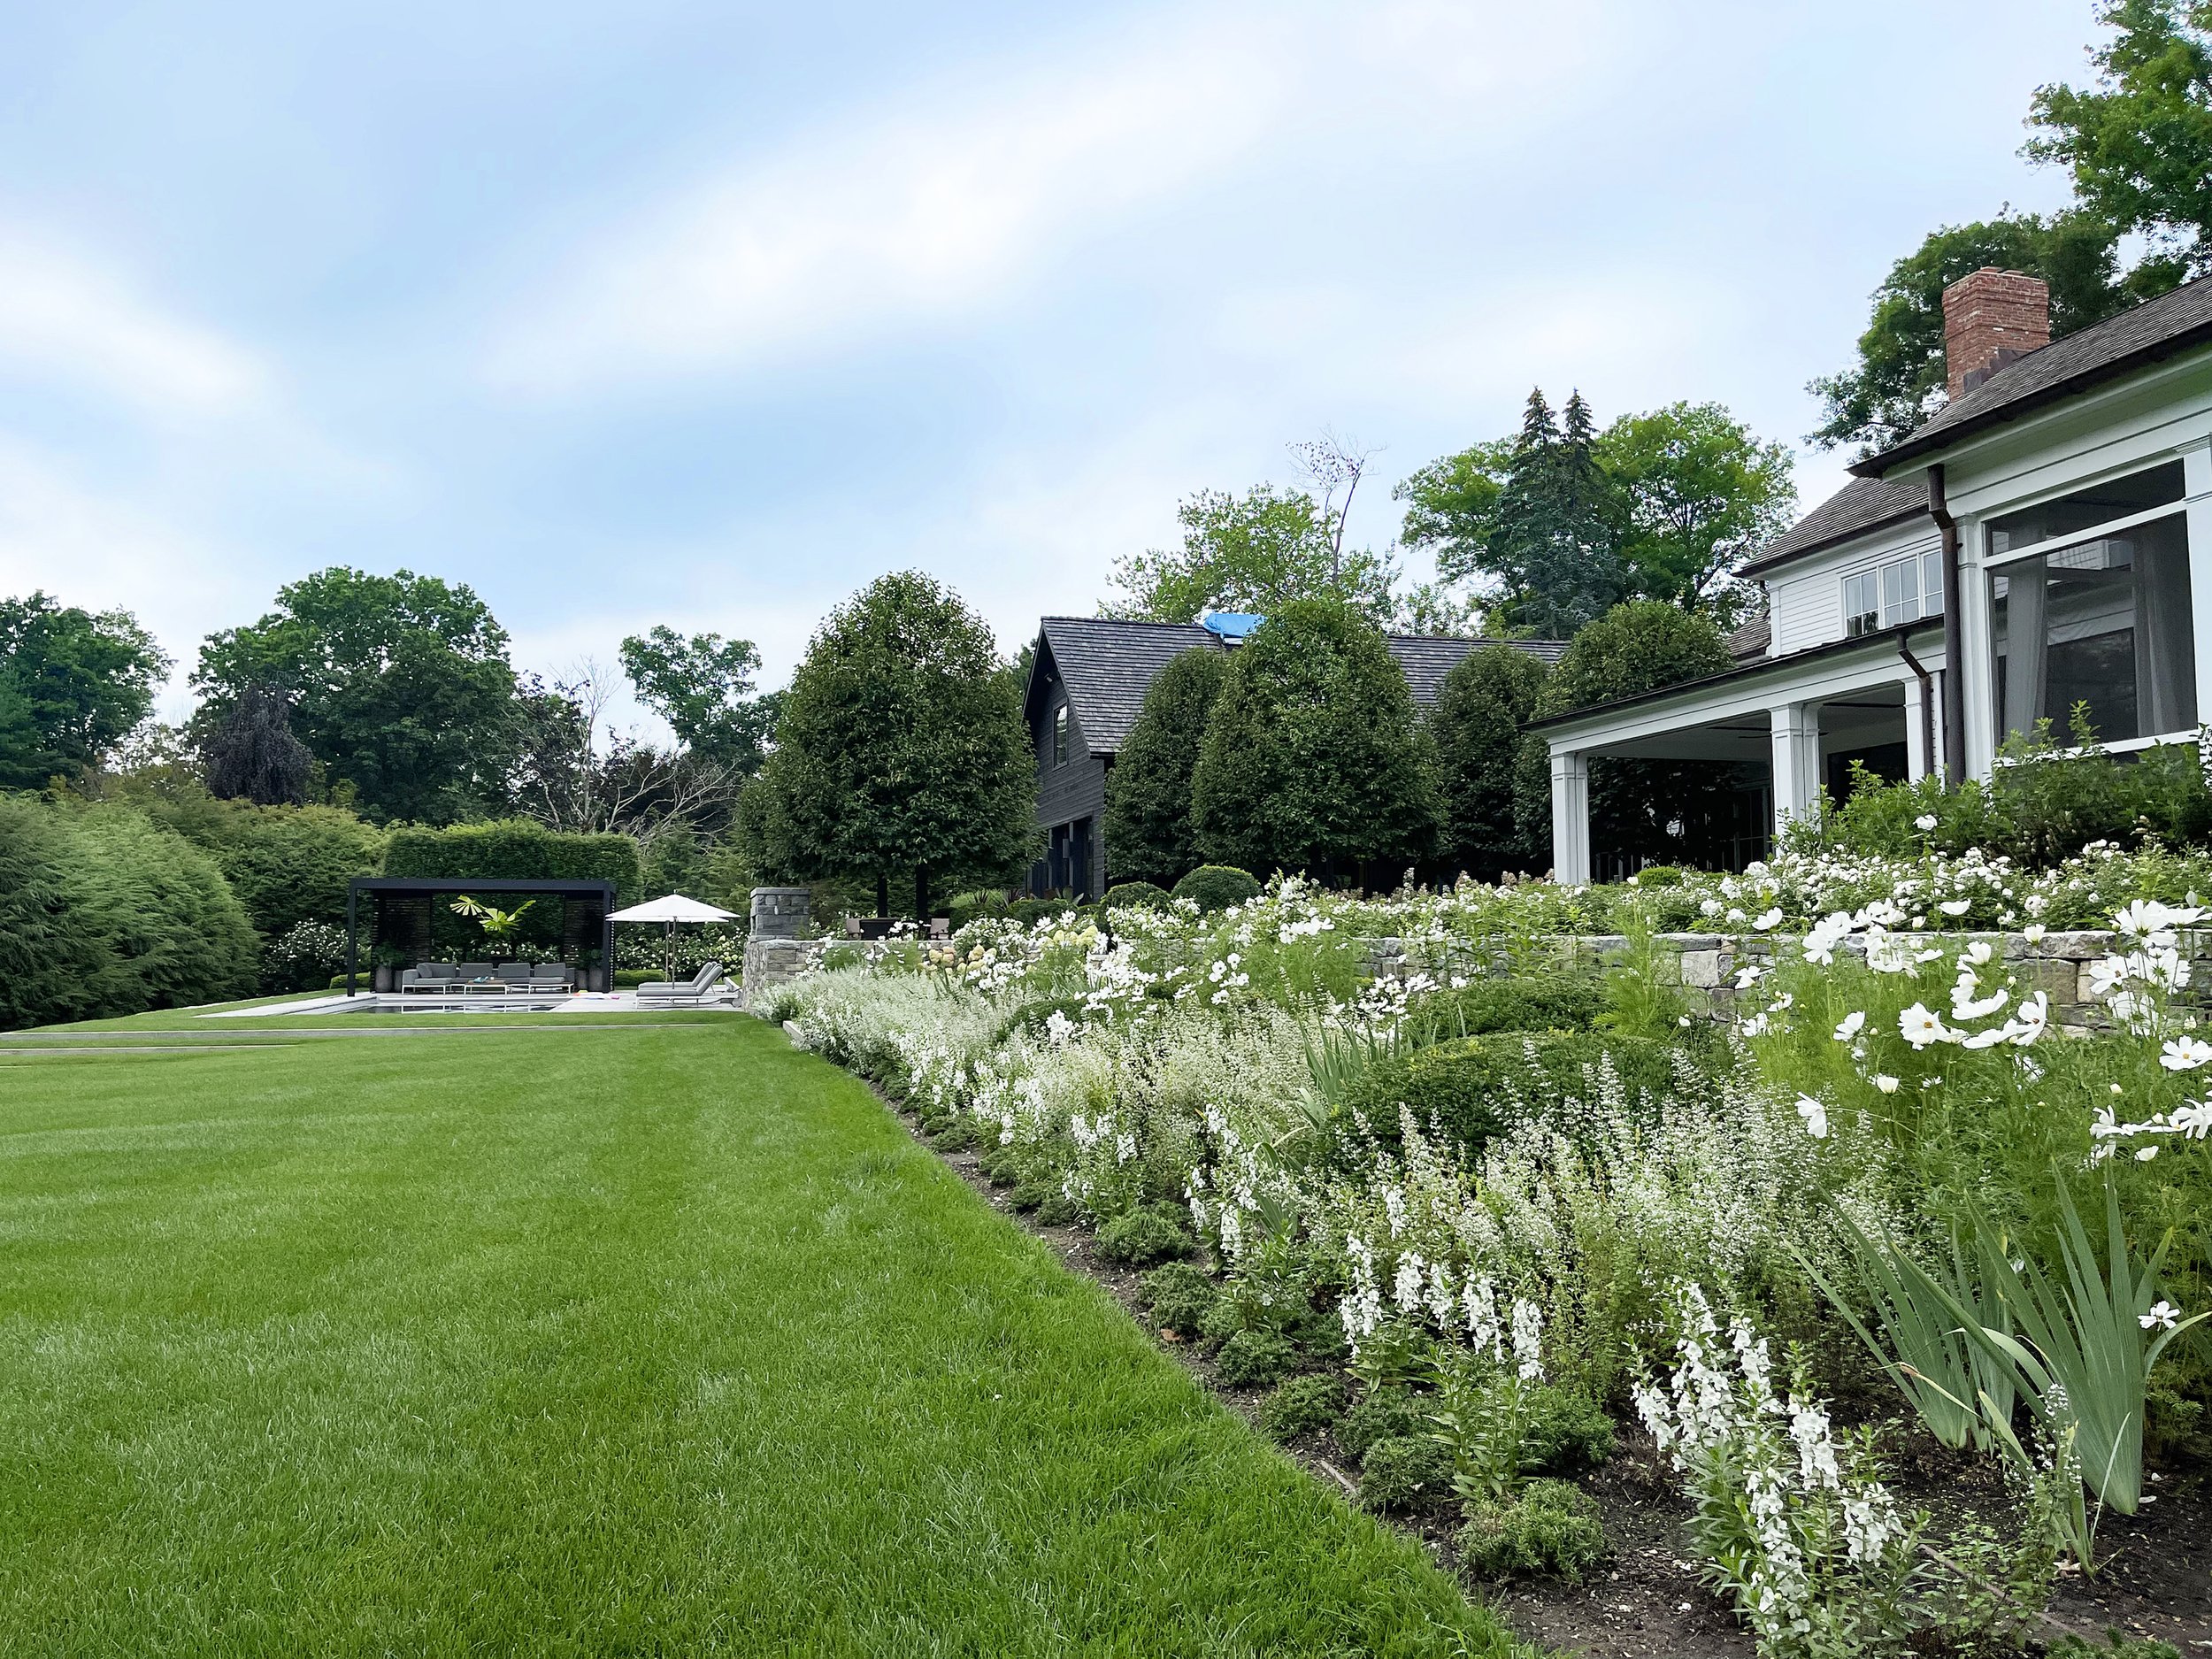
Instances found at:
x=104 y=913
x=287 y=863
x=516 y=849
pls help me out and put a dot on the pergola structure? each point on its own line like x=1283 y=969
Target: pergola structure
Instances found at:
x=401 y=911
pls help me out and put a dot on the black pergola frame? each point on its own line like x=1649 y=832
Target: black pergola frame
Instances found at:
x=602 y=891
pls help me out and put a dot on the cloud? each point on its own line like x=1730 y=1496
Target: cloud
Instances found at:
x=924 y=211
x=67 y=317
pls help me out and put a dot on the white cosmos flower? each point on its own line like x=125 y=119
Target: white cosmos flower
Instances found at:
x=2163 y=1315
x=2032 y=933
x=2186 y=1054
x=1767 y=921
x=1852 y=1025
x=1977 y=952
x=2035 y=1018
x=1815 y=1117
x=1966 y=1005
x=1885 y=1083
x=1956 y=907
x=1920 y=1026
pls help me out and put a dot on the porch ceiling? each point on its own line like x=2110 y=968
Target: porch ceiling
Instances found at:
x=1853 y=720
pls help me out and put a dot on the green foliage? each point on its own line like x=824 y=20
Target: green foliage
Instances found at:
x=1218 y=886
x=1180 y=1296
x=1492 y=824
x=288 y=864
x=1253 y=1359
x=1139 y=1237
x=2043 y=806
x=1302 y=1405
x=251 y=755
x=1661 y=505
x=72 y=685
x=101 y=913
x=901 y=751
x=1548 y=1526
x=1385 y=1414
x=963 y=908
x=514 y=849
x=704 y=687
x=1149 y=832
x=1314 y=758
x=1897 y=381
x=1632 y=650
x=1532 y=1002
x=1399 y=1475
x=1140 y=896
x=400 y=685
x=1029 y=913
x=1471 y=1087
x=1702 y=495
x=1254 y=552
x=2139 y=144
x=1566 y=1431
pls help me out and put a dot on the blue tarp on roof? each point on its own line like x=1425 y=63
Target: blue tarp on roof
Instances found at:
x=1231 y=624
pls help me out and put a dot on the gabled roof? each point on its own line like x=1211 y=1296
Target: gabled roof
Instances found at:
x=1108 y=666
x=2160 y=328
x=1864 y=504
x=1752 y=639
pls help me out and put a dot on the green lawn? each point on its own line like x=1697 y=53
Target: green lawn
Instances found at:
x=660 y=1339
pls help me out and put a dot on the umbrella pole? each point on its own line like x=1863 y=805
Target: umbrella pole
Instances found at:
x=668 y=957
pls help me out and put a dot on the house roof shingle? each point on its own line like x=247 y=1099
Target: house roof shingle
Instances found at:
x=1864 y=504
x=2157 y=329
x=1109 y=664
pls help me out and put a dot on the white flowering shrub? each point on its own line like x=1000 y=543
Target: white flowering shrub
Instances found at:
x=1794 y=1524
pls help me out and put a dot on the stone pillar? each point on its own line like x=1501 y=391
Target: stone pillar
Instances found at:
x=1796 y=760
x=780 y=912
x=1570 y=818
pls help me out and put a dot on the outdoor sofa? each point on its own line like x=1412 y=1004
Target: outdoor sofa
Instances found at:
x=485 y=978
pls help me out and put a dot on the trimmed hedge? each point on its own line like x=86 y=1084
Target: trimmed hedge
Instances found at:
x=1218 y=886
x=288 y=864
x=517 y=849
x=102 y=913
x=1135 y=895
x=1468 y=1087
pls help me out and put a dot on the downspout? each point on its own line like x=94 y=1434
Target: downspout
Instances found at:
x=1954 y=644
x=1927 y=701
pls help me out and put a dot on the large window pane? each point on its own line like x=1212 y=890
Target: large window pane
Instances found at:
x=2106 y=623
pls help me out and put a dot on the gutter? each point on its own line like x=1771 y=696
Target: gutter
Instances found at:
x=1954 y=641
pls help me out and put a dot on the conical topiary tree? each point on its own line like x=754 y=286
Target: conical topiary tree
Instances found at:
x=1479 y=725
x=1314 y=758
x=1149 y=836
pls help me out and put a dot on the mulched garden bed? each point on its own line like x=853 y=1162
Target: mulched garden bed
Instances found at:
x=1648 y=1600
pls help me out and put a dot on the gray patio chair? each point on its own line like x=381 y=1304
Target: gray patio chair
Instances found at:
x=664 y=993
x=513 y=974
x=552 y=976
x=476 y=978
x=428 y=978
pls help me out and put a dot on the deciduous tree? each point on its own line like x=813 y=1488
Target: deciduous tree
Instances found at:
x=399 y=685
x=703 y=687
x=1480 y=726
x=74 y=684
x=900 y=751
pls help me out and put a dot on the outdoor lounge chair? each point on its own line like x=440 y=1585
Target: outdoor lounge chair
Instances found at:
x=552 y=977
x=514 y=975
x=663 y=992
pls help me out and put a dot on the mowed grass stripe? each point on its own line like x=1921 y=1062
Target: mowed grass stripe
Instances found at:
x=663 y=1344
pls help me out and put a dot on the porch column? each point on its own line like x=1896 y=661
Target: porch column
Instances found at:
x=2196 y=473
x=1796 y=760
x=1919 y=722
x=1570 y=818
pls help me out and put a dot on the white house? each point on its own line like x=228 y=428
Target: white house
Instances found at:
x=2045 y=539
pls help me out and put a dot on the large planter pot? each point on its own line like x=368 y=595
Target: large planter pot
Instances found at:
x=384 y=978
x=877 y=927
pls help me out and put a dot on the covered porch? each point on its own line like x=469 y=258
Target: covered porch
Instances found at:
x=1799 y=721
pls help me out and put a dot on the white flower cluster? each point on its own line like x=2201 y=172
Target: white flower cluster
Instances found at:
x=1790 y=1514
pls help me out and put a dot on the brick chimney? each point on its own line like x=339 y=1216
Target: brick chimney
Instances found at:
x=1990 y=318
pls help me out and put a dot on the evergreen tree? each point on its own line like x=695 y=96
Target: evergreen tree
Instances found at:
x=1149 y=835
x=1480 y=725
x=252 y=756
x=1559 y=525
x=900 y=751
x=1315 y=758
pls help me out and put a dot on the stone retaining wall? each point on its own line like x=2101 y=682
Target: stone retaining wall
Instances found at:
x=771 y=962
x=2059 y=965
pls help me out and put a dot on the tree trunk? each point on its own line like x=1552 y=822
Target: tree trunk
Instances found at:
x=883 y=893
x=921 y=895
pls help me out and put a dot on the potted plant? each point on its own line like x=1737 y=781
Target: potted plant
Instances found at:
x=385 y=961
x=591 y=974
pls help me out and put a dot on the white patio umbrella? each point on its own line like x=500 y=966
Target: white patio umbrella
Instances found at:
x=673 y=909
